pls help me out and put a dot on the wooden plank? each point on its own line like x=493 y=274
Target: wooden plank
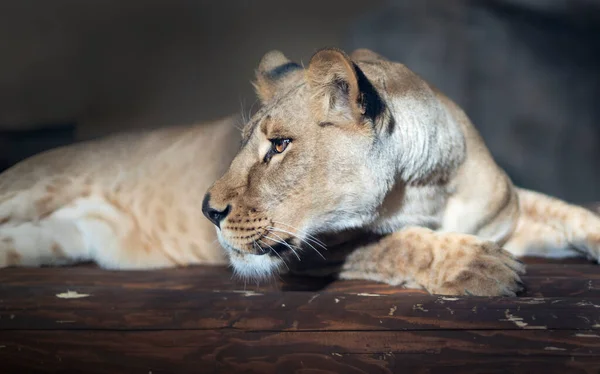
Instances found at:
x=286 y=352
x=16 y=295
x=27 y=308
x=591 y=271
x=32 y=288
x=218 y=277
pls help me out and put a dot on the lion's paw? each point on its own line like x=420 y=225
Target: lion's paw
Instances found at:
x=486 y=270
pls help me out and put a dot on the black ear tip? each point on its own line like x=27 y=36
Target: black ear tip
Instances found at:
x=282 y=70
x=271 y=60
x=274 y=68
x=275 y=65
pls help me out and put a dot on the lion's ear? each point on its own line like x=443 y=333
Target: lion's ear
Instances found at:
x=333 y=79
x=272 y=70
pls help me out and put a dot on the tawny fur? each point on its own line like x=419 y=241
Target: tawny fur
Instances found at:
x=127 y=201
x=372 y=146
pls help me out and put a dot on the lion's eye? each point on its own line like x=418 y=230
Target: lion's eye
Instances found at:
x=279 y=145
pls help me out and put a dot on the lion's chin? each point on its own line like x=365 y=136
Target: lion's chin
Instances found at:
x=248 y=266
x=254 y=267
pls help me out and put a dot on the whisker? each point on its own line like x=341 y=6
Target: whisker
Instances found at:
x=302 y=240
x=273 y=249
x=299 y=231
x=284 y=243
x=281 y=240
x=282 y=260
x=258 y=246
x=252 y=108
x=308 y=236
x=235 y=122
x=243 y=114
x=265 y=244
x=319 y=243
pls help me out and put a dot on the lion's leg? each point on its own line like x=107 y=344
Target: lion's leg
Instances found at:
x=46 y=242
x=86 y=229
x=549 y=227
x=29 y=233
x=441 y=263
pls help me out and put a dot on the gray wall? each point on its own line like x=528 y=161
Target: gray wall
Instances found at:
x=111 y=64
x=526 y=71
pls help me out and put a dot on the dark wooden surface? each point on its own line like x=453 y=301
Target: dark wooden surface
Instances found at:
x=198 y=320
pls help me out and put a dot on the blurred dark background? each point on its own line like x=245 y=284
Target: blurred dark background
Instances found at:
x=527 y=72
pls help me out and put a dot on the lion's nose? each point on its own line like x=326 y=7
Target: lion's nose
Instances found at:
x=214 y=215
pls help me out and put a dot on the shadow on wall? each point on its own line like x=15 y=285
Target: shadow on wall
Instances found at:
x=112 y=65
x=525 y=71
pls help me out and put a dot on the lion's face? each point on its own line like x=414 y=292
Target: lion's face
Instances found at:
x=311 y=161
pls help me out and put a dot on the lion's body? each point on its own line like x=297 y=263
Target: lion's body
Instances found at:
x=369 y=145
x=127 y=201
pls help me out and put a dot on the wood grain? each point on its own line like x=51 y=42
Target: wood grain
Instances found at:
x=287 y=352
x=200 y=320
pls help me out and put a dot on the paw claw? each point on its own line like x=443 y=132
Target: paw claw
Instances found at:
x=484 y=273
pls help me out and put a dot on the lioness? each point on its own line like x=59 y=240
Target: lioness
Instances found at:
x=349 y=142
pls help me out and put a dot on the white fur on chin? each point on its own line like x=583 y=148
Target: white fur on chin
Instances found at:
x=248 y=266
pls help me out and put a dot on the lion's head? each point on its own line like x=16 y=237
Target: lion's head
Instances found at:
x=319 y=156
